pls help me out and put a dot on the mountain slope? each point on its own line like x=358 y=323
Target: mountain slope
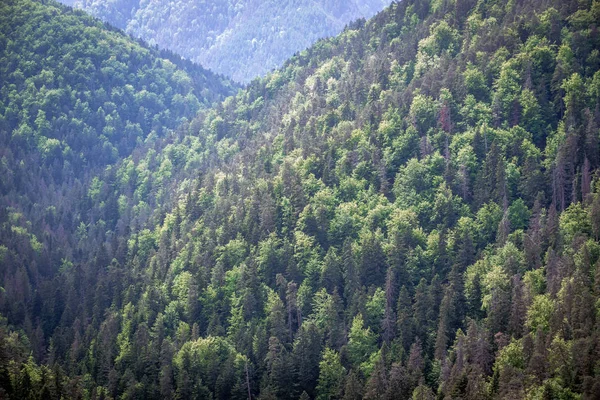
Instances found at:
x=59 y=65
x=410 y=209
x=241 y=39
x=75 y=98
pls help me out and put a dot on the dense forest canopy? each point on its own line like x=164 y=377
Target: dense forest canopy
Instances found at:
x=242 y=39
x=75 y=98
x=409 y=210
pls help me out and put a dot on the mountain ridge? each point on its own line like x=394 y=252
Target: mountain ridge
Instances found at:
x=242 y=40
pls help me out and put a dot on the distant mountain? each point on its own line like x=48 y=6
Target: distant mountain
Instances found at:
x=242 y=38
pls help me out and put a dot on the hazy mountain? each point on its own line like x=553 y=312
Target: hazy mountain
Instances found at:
x=241 y=39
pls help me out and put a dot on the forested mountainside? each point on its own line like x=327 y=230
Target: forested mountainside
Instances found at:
x=408 y=210
x=75 y=98
x=242 y=39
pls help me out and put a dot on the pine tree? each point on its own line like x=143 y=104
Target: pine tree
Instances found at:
x=6 y=388
x=373 y=261
x=377 y=383
x=595 y=216
x=351 y=278
x=362 y=342
x=415 y=363
x=279 y=379
x=532 y=242
x=422 y=309
x=444 y=328
x=331 y=275
x=399 y=383
x=276 y=318
x=353 y=388
x=389 y=319
x=294 y=316
x=306 y=356
x=473 y=300
x=499 y=311
x=518 y=308
x=331 y=376
x=452 y=310
x=422 y=392
x=404 y=321
x=466 y=250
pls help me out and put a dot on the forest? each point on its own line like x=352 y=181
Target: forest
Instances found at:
x=408 y=210
x=242 y=39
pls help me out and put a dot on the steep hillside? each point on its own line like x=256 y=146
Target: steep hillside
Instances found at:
x=408 y=210
x=75 y=98
x=242 y=39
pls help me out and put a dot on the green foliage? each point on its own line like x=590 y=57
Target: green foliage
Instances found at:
x=417 y=196
x=535 y=281
x=539 y=312
x=198 y=362
x=443 y=40
x=574 y=221
x=331 y=376
x=475 y=83
x=511 y=356
x=102 y=75
x=362 y=344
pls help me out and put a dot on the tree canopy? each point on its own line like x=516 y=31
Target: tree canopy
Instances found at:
x=410 y=209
